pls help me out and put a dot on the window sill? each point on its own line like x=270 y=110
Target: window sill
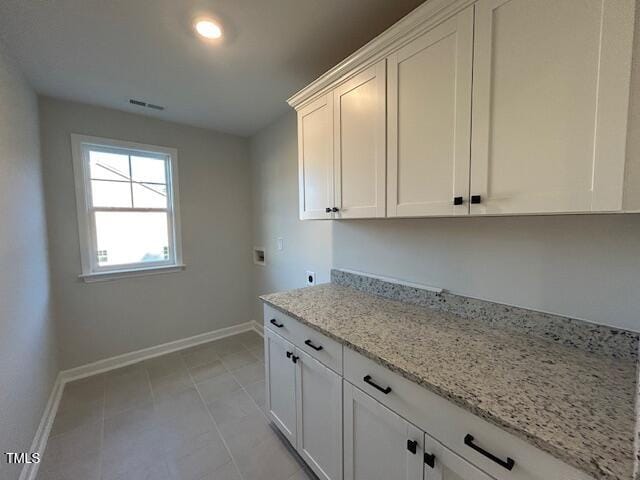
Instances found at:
x=138 y=272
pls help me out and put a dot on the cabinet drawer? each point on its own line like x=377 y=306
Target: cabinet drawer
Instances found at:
x=279 y=322
x=319 y=346
x=450 y=424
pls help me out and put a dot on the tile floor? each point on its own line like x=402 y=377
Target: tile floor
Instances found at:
x=197 y=414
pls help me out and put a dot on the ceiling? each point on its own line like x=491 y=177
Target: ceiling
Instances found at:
x=106 y=52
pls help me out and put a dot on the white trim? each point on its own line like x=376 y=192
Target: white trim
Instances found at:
x=137 y=272
x=130 y=358
x=258 y=327
x=30 y=470
x=395 y=281
x=86 y=226
x=414 y=24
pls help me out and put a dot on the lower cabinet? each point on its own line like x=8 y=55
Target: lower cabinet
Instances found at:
x=351 y=418
x=281 y=384
x=304 y=400
x=378 y=444
x=319 y=406
x=381 y=445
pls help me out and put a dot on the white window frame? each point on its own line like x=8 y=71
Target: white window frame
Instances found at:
x=91 y=271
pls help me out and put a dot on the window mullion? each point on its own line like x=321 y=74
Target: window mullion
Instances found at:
x=130 y=180
x=127 y=209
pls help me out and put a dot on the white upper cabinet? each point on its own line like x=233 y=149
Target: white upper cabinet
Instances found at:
x=315 y=158
x=360 y=144
x=493 y=107
x=429 y=121
x=550 y=102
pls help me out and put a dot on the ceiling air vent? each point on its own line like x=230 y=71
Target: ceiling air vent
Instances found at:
x=140 y=103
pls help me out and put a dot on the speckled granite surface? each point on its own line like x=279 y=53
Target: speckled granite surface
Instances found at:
x=574 y=404
x=597 y=339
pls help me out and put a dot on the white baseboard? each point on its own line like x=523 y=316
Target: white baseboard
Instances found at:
x=258 y=327
x=39 y=444
x=146 y=353
x=30 y=470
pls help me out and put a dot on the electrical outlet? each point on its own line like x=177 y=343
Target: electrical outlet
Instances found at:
x=280 y=243
x=311 y=277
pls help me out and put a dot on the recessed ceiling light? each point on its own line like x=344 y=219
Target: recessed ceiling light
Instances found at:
x=208 y=28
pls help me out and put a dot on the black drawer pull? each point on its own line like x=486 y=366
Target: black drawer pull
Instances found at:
x=476 y=199
x=458 y=200
x=273 y=322
x=289 y=354
x=508 y=464
x=368 y=380
x=430 y=459
x=317 y=349
x=295 y=358
x=412 y=446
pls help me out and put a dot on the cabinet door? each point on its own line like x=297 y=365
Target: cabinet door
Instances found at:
x=281 y=384
x=442 y=464
x=376 y=441
x=315 y=158
x=319 y=401
x=550 y=100
x=360 y=144
x=430 y=121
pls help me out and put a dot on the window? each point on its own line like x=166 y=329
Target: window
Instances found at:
x=127 y=196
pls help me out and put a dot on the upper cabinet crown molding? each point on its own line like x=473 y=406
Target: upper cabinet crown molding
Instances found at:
x=421 y=19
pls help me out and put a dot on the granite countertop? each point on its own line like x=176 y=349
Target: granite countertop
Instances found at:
x=576 y=405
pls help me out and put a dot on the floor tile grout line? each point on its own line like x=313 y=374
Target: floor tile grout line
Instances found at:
x=101 y=445
x=247 y=393
x=44 y=467
x=264 y=414
x=103 y=416
x=154 y=402
x=215 y=424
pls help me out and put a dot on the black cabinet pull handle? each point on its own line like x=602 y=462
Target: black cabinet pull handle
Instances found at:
x=458 y=200
x=335 y=209
x=295 y=358
x=508 y=464
x=430 y=459
x=476 y=199
x=368 y=380
x=273 y=322
x=412 y=446
x=316 y=348
x=328 y=209
x=289 y=354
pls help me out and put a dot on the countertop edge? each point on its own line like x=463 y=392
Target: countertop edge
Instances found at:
x=557 y=453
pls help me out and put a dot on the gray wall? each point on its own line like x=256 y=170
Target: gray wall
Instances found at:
x=28 y=358
x=581 y=266
x=100 y=320
x=307 y=245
